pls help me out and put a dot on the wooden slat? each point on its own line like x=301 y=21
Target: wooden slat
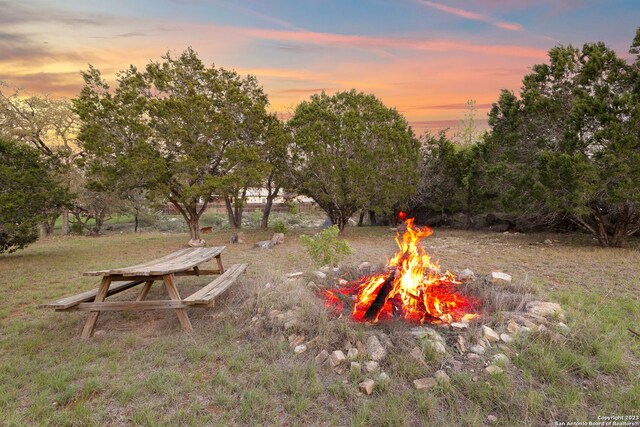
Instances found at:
x=72 y=300
x=130 y=305
x=218 y=286
x=181 y=260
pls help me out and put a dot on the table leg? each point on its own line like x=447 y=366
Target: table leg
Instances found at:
x=174 y=295
x=145 y=290
x=219 y=261
x=87 y=331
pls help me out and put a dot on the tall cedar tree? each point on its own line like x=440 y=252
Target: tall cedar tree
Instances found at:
x=180 y=130
x=350 y=151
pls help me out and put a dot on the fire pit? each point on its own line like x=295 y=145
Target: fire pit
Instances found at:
x=412 y=287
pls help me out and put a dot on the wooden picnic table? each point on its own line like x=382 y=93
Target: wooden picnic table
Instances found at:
x=184 y=262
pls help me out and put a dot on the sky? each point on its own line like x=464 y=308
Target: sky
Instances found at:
x=424 y=58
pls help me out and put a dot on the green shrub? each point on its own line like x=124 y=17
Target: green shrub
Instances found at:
x=325 y=247
x=279 y=227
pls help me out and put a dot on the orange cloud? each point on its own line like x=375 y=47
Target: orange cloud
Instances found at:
x=473 y=16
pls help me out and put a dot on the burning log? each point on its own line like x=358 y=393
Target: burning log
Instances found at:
x=381 y=297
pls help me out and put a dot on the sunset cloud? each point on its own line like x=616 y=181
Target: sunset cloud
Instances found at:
x=473 y=16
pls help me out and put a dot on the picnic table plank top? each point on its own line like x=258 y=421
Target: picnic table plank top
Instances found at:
x=180 y=260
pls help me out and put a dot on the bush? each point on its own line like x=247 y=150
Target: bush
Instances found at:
x=279 y=227
x=325 y=247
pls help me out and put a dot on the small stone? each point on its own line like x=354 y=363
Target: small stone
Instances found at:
x=525 y=330
x=548 y=242
x=364 y=266
x=321 y=357
x=361 y=348
x=352 y=353
x=461 y=344
x=295 y=340
x=438 y=347
x=492 y=418
x=500 y=278
x=545 y=309
x=320 y=275
x=442 y=377
x=500 y=359
x=423 y=331
x=416 y=353
x=278 y=238
x=372 y=366
x=459 y=325
x=563 y=327
x=295 y=275
x=493 y=370
x=422 y=383
x=513 y=327
x=383 y=377
x=375 y=350
x=355 y=368
x=291 y=323
x=473 y=356
x=490 y=334
x=367 y=386
x=466 y=274
x=337 y=358
x=542 y=329
x=484 y=342
x=477 y=349
x=264 y=244
x=99 y=333
x=474 y=378
x=506 y=338
x=300 y=349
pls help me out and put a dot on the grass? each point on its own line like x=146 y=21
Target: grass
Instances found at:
x=141 y=370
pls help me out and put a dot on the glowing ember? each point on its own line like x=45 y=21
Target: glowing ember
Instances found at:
x=412 y=287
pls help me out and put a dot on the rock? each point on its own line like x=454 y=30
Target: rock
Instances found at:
x=477 y=349
x=500 y=359
x=416 y=353
x=355 y=368
x=299 y=349
x=337 y=358
x=364 y=266
x=563 y=327
x=490 y=334
x=367 y=386
x=264 y=244
x=383 y=377
x=99 y=333
x=321 y=357
x=361 y=348
x=295 y=340
x=320 y=274
x=493 y=370
x=278 y=238
x=466 y=275
x=352 y=353
x=442 y=377
x=545 y=309
x=492 y=418
x=459 y=325
x=473 y=356
x=499 y=278
x=423 y=331
x=196 y=243
x=295 y=275
x=375 y=350
x=513 y=327
x=542 y=329
x=372 y=366
x=422 y=383
x=506 y=338
x=461 y=344
x=438 y=347
x=485 y=342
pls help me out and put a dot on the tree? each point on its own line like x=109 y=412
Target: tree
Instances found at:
x=276 y=154
x=28 y=194
x=571 y=143
x=48 y=125
x=350 y=152
x=180 y=130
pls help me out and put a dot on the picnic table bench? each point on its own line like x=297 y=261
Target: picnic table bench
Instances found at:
x=184 y=262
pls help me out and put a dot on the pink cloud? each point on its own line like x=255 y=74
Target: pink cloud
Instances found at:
x=473 y=16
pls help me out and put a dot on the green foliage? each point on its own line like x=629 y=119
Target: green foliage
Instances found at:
x=325 y=247
x=28 y=195
x=179 y=130
x=351 y=152
x=570 y=144
x=280 y=227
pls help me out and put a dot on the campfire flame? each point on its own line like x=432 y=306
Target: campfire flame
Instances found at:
x=412 y=287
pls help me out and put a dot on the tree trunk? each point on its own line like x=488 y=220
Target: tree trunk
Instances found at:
x=267 y=207
x=191 y=215
x=230 y=213
x=361 y=219
x=65 y=222
x=135 y=220
x=372 y=218
x=45 y=230
x=235 y=208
